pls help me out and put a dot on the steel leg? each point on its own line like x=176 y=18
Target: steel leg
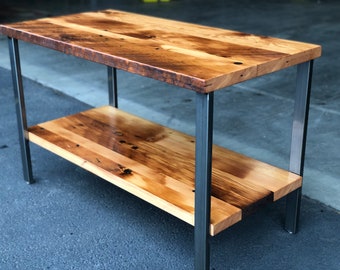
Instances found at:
x=204 y=134
x=20 y=109
x=299 y=134
x=113 y=89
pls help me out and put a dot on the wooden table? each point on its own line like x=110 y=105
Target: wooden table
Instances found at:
x=203 y=184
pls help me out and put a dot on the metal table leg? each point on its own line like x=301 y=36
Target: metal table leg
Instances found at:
x=112 y=84
x=204 y=134
x=20 y=109
x=298 y=143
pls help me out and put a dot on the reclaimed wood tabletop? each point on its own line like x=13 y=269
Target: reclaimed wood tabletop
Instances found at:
x=195 y=57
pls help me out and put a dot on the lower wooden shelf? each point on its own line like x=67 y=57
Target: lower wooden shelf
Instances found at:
x=157 y=164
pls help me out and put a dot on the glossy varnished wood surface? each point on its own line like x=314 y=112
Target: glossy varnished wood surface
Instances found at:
x=156 y=164
x=195 y=57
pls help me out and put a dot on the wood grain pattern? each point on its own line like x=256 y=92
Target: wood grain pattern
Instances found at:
x=196 y=57
x=156 y=164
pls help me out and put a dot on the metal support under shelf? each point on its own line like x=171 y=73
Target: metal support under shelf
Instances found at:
x=20 y=109
x=203 y=169
x=298 y=141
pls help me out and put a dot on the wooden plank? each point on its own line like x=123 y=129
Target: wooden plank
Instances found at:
x=146 y=25
x=156 y=164
x=166 y=193
x=140 y=140
x=248 y=170
x=195 y=57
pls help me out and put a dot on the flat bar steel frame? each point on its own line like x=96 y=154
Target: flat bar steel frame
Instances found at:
x=298 y=141
x=203 y=155
x=203 y=168
x=20 y=109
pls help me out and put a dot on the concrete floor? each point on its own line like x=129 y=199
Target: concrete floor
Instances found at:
x=253 y=117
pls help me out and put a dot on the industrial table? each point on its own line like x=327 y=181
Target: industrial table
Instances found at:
x=203 y=184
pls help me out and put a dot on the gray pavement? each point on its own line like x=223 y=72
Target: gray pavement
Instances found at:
x=71 y=219
x=43 y=225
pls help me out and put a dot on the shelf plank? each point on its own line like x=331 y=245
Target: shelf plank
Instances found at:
x=156 y=164
x=160 y=190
